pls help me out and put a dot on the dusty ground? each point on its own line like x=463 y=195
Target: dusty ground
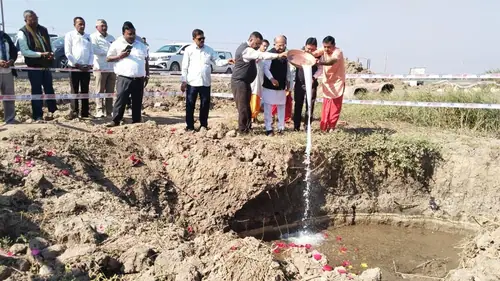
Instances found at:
x=152 y=202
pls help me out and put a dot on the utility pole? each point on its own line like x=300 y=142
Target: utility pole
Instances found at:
x=385 y=64
x=3 y=18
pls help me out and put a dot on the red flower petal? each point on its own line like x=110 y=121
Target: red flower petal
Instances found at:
x=326 y=267
x=317 y=257
x=281 y=245
x=109 y=132
x=65 y=172
x=173 y=130
x=234 y=248
x=185 y=156
x=292 y=245
x=189 y=229
x=276 y=251
x=346 y=263
x=308 y=246
x=50 y=153
x=132 y=157
x=9 y=254
x=343 y=250
x=325 y=235
x=339 y=238
x=17 y=159
x=342 y=271
x=165 y=164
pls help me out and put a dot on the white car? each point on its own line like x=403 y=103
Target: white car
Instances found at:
x=169 y=57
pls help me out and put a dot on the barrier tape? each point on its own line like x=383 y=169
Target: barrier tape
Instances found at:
x=348 y=76
x=27 y=97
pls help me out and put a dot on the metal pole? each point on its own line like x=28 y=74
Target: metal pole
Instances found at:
x=3 y=19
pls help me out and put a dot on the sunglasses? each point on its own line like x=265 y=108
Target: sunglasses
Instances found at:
x=200 y=38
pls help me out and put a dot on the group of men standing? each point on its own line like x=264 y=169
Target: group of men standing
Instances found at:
x=265 y=78
x=122 y=61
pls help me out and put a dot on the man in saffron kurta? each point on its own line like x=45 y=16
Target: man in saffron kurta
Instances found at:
x=257 y=83
x=331 y=78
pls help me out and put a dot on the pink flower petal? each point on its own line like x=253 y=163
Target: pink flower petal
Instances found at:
x=326 y=267
x=276 y=251
x=9 y=254
x=339 y=238
x=234 y=248
x=346 y=263
x=317 y=257
x=341 y=271
x=308 y=246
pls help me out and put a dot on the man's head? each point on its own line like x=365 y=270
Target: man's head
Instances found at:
x=255 y=40
x=30 y=18
x=311 y=45
x=198 y=37
x=79 y=24
x=102 y=26
x=329 y=44
x=264 y=45
x=280 y=43
x=128 y=31
x=143 y=39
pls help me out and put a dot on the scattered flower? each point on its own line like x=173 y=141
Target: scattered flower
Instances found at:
x=308 y=246
x=189 y=229
x=64 y=172
x=109 y=132
x=346 y=263
x=135 y=161
x=165 y=164
x=173 y=130
x=364 y=265
x=50 y=153
x=35 y=252
x=292 y=245
x=185 y=156
x=356 y=250
x=281 y=245
x=325 y=235
x=26 y=172
x=326 y=267
x=30 y=163
x=276 y=251
x=17 y=159
x=343 y=250
x=342 y=271
x=234 y=248
x=317 y=257
x=338 y=238
x=9 y=254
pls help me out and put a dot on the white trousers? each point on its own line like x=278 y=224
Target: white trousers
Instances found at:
x=268 y=116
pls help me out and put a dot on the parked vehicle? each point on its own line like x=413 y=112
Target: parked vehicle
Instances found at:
x=20 y=57
x=169 y=57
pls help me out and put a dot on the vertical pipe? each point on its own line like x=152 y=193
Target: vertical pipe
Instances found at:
x=3 y=18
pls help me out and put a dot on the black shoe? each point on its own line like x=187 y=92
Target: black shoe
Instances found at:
x=296 y=129
x=280 y=132
x=270 y=133
x=112 y=124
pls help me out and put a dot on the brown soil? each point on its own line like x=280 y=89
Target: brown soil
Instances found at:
x=80 y=209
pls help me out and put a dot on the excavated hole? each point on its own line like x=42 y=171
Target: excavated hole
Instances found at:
x=392 y=239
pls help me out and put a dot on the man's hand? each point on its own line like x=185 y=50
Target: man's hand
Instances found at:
x=124 y=55
x=183 y=87
x=283 y=55
x=275 y=82
x=84 y=68
x=11 y=62
x=230 y=61
x=3 y=64
x=46 y=55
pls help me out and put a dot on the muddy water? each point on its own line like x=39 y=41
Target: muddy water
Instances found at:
x=414 y=251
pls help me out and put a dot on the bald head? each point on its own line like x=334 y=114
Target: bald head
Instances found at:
x=280 y=43
x=102 y=26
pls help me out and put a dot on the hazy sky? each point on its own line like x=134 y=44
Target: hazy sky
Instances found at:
x=459 y=36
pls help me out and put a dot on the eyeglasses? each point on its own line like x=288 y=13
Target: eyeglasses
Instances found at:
x=200 y=38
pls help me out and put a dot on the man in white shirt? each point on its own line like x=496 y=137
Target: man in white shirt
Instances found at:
x=196 y=77
x=244 y=73
x=8 y=55
x=105 y=78
x=132 y=70
x=257 y=83
x=78 y=50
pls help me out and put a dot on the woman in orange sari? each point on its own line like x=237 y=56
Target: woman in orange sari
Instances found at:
x=257 y=84
x=331 y=79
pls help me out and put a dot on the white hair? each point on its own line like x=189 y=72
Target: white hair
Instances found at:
x=28 y=13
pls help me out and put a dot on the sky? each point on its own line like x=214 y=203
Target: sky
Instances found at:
x=445 y=36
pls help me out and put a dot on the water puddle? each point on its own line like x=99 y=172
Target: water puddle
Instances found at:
x=414 y=251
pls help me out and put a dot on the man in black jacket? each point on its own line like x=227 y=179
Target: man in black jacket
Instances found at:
x=34 y=44
x=8 y=55
x=300 y=88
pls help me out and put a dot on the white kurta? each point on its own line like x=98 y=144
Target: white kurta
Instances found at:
x=274 y=97
x=259 y=79
x=269 y=96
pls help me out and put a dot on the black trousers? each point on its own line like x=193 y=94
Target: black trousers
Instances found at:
x=80 y=85
x=128 y=88
x=300 y=98
x=191 y=96
x=242 y=93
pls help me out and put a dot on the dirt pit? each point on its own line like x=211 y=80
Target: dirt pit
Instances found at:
x=77 y=205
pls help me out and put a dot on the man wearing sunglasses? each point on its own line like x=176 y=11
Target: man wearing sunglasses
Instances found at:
x=196 y=77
